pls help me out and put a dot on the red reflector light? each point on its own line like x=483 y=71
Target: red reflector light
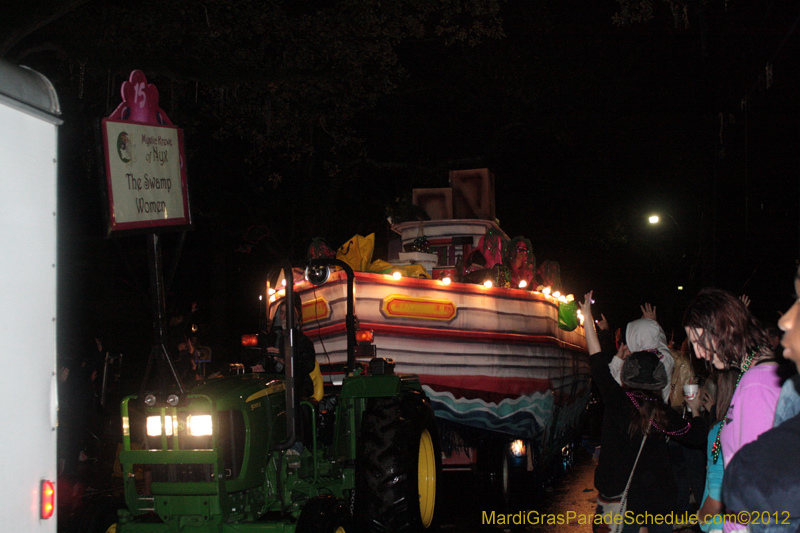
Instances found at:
x=364 y=335
x=48 y=499
x=250 y=340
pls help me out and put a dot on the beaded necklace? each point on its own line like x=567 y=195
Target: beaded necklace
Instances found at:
x=717 y=447
x=633 y=395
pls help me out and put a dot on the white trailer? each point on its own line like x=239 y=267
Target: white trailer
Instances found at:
x=29 y=123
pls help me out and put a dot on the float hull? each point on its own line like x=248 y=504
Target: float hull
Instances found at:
x=490 y=359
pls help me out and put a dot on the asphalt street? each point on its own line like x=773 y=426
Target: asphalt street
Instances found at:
x=566 y=506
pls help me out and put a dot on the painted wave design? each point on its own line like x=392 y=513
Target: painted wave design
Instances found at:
x=525 y=416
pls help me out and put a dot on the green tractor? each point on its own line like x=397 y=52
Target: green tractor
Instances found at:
x=221 y=456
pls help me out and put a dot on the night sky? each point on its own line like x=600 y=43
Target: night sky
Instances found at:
x=587 y=126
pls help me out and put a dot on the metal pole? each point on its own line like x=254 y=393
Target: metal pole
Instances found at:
x=159 y=351
x=288 y=364
x=104 y=386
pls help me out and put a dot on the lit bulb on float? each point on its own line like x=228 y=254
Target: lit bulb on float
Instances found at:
x=396 y=274
x=446 y=280
x=557 y=295
x=546 y=291
x=570 y=298
x=523 y=284
x=518 y=448
x=488 y=284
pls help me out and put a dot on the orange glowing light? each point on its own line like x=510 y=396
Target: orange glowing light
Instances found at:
x=250 y=340
x=364 y=335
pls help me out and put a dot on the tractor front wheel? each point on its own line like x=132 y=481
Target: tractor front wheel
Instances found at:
x=99 y=516
x=325 y=514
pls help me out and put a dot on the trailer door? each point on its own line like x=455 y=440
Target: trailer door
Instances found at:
x=28 y=399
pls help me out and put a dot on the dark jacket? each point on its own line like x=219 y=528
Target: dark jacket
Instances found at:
x=653 y=487
x=764 y=475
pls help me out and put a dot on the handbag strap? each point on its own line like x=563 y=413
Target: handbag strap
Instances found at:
x=630 y=478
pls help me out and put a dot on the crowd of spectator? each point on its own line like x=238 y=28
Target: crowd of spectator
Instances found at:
x=705 y=432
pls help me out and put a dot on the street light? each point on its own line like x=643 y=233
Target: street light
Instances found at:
x=655 y=219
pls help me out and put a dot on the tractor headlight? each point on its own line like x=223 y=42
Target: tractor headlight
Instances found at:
x=199 y=425
x=154 y=426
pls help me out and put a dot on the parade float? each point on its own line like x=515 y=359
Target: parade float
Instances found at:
x=500 y=352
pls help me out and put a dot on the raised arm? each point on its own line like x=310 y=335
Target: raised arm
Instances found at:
x=648 y=311
x=592 y=342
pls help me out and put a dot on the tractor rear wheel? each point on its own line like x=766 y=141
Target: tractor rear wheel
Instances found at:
x=397 y=465
x=325 y=514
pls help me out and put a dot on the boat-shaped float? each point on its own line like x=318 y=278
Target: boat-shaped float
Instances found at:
x=493 y=360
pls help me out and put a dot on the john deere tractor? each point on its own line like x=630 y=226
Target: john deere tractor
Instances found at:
x=221 y=456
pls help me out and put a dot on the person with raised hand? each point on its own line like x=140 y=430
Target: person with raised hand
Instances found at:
x=636 y=426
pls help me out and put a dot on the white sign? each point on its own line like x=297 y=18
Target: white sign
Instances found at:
x=146 y=175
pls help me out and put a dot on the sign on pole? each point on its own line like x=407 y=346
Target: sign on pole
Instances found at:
x=145 y=169
x=144 y=162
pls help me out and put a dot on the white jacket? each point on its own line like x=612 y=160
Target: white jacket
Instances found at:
x=646 y=334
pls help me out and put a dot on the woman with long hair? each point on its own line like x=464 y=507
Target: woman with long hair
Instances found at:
x=726 y=335
x=636 y=426
x=763 y=477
